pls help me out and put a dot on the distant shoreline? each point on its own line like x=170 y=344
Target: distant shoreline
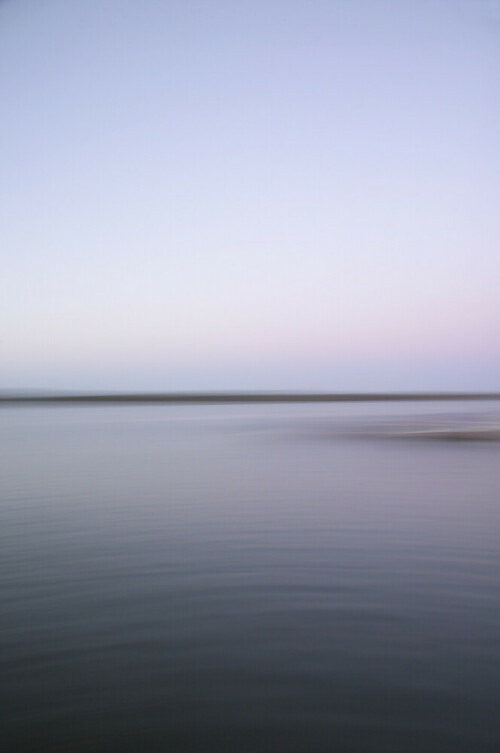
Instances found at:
x=200 y=398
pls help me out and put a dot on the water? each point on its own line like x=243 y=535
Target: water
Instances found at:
x=246 y=579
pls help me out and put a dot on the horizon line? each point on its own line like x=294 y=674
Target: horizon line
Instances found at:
x=188 y=397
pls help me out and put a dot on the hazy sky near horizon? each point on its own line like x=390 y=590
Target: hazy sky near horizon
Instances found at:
x=250 y=194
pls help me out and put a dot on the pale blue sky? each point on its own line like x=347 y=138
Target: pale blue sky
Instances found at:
x=250 y=194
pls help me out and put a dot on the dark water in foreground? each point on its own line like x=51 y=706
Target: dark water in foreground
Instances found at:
x=238 y=578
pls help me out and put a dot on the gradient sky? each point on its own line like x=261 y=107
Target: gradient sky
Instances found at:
x=250 y=194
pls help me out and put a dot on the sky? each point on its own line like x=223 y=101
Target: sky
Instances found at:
x=250 y=194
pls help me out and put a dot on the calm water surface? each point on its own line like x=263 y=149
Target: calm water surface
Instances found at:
x=246 y=579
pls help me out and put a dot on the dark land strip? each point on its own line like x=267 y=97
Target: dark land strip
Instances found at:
x=193 y=398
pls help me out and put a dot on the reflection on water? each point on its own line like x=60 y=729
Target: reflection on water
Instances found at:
x=470 y=426
x=249 y=578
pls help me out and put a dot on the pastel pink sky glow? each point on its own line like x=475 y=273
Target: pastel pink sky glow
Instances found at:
x=250 y=195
